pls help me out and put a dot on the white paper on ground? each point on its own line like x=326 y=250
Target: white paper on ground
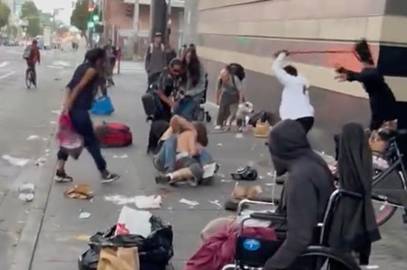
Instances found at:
x=58 y=112
x=120 y=199
x=84 y=215
x=220 y=144
x=189 y=203
x=136 y=222
x=20 y=162
x=217 y=203
x=209 y=170
x=239 y=136
x=148 y=202
x=121 y=157
x=33 y=137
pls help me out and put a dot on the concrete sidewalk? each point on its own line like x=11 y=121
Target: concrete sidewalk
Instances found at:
x=63 y=235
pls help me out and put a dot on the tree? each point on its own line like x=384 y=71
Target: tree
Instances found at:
x=30 y=12
x=4 y=14
x=80 y=16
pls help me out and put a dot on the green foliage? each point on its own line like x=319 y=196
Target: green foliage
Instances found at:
x=4 y=14
x=30 y=12
x=80 y=15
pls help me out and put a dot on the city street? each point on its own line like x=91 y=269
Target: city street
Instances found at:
x=48 y=233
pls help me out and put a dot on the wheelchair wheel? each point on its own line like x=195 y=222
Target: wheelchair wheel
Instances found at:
x=324 y=258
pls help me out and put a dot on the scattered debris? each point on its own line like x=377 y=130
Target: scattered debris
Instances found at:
x=220 y=144
x=369 y=267
x=80 y=192
x=40 y=162
x=84 y=215
x=26 y=192
x=57 y=112
x=82 y=237
x=191 y=204
x=20 y=162
x=261 y=177
x=120 y=199
x=133 y=221
x=124 y=156
x=226 y=181
x=217 y=203
x=210 y=170
x=239 y=136
x=148 y=202
x=270 y=184
x=33 y=138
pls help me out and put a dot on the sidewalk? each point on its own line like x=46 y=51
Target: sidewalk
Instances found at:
x=63 y=235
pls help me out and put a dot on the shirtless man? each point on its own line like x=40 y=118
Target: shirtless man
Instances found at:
x=179 y=154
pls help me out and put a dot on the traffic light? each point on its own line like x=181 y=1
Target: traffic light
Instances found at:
x=91 y=24
x=95 y=18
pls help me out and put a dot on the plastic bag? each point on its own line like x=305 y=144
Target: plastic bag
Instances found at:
x=68 y=140
x=102 y=106
x=155 y=251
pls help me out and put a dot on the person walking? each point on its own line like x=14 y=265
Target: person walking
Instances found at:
x=227 y=95
x=32 y=57
x=77 y=103
x=295 y=101
x=156 y=58
x=382 y=101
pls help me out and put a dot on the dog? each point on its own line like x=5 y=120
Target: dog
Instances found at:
x=243 y=110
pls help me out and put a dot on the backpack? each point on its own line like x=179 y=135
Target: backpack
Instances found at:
x=114 y=135
x=27 y=52
x=238 y=70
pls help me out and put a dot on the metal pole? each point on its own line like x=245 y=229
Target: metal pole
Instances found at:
x=158 y=17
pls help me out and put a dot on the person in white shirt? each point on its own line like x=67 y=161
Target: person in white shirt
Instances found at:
x=295 y=101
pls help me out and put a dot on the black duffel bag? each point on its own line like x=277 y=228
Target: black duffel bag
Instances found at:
x=155 y=251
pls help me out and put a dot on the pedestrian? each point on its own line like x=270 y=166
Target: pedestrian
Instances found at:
x=182 y=51
x=295 y=101
x=194 y=86
x=382 y=101
x=32 y=56
x=228 y=94
x=156 y=58
x=78 y=101
x=306 y=192
x=109 y=62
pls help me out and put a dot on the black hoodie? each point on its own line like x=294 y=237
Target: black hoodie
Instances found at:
x=307 y=190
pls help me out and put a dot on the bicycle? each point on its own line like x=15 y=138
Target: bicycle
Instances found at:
x=30 y=78
x=387 y=205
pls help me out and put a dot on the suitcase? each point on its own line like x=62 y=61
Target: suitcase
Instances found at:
x=102 y=106
x=149 y=101
x=114 y=135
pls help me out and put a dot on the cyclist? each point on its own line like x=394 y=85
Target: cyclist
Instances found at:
x=32 y=56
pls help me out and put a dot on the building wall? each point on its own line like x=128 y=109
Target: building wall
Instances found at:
x=250 y=31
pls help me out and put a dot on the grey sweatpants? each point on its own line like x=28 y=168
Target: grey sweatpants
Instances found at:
x=227 y=108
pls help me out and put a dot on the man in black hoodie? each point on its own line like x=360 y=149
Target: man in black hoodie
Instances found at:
x=306 y=192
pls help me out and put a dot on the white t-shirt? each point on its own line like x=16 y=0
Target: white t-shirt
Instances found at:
x=295 y=101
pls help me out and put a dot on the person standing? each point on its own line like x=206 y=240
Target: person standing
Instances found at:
x=228 y=95
x=295 y=101
x=77 y=103
x=33 y=57
x=156 y=58
x=382 y=101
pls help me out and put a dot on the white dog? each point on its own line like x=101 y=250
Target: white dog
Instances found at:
x=243 y=110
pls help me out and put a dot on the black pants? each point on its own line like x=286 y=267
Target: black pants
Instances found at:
x=307 y=123
x=83 y=125
x=152 y=78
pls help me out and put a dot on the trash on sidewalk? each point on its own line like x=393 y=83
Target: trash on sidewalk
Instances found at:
x=148 y=202
x=26 y=192
x=57 y=112
x=120 y=199
x=220 y=144
x=119 y=259
x=19 y=162
x=191 y=204
x=217 y=203
x=246 y=192
x=33 y=138
x=124 y=156
x=84 y=215
x=40 y=162
x=226 y=181
x=133 y=221
x=210 y=170
x=155 y=250
x=79 y=192
x=239 y=136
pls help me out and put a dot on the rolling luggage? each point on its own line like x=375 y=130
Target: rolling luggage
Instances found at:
x=102 y=106
x=149 y=101
x=114 y=135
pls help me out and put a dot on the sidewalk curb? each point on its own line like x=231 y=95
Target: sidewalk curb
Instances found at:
x=27 y=244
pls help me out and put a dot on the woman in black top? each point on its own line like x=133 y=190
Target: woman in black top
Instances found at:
x=382 y=100
x=78 y=101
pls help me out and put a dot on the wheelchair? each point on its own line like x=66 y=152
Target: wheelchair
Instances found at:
x=252 y=253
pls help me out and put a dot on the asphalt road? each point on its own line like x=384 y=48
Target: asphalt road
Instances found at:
x=48 y=233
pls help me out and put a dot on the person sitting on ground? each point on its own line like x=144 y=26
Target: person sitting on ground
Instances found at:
x=168 y=87
x=295 y=101
x=182 y=155
x=382 y=101
x=194 y=86
x=306 y=192
x=77 y=103
x=228 y=95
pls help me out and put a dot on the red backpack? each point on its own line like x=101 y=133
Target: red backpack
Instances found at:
x=114 y=135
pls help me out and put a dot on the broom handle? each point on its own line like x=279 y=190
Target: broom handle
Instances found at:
x=320 y=52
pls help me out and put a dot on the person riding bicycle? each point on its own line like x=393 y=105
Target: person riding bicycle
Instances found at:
x=32 y=56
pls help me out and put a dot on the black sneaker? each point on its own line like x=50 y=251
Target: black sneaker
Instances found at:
x=193 y=182
x=62 y=177
x=162 y=179
x=108 y=177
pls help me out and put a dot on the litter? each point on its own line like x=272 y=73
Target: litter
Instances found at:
x=191 y=204
x=84 y=215
x=217 y=203
x=239 y=136
x=57 y=112
x=134 y=222
x=20 y=162
x=40 y=162
x=26 y=192
x=226 y=181
x=120 y=199
x=220 y=144
x=26 y=197
x=209 y=170
x=121 y=157
x=369 y=267
x=79 y=192
x=148 y=202
x=33 y=138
